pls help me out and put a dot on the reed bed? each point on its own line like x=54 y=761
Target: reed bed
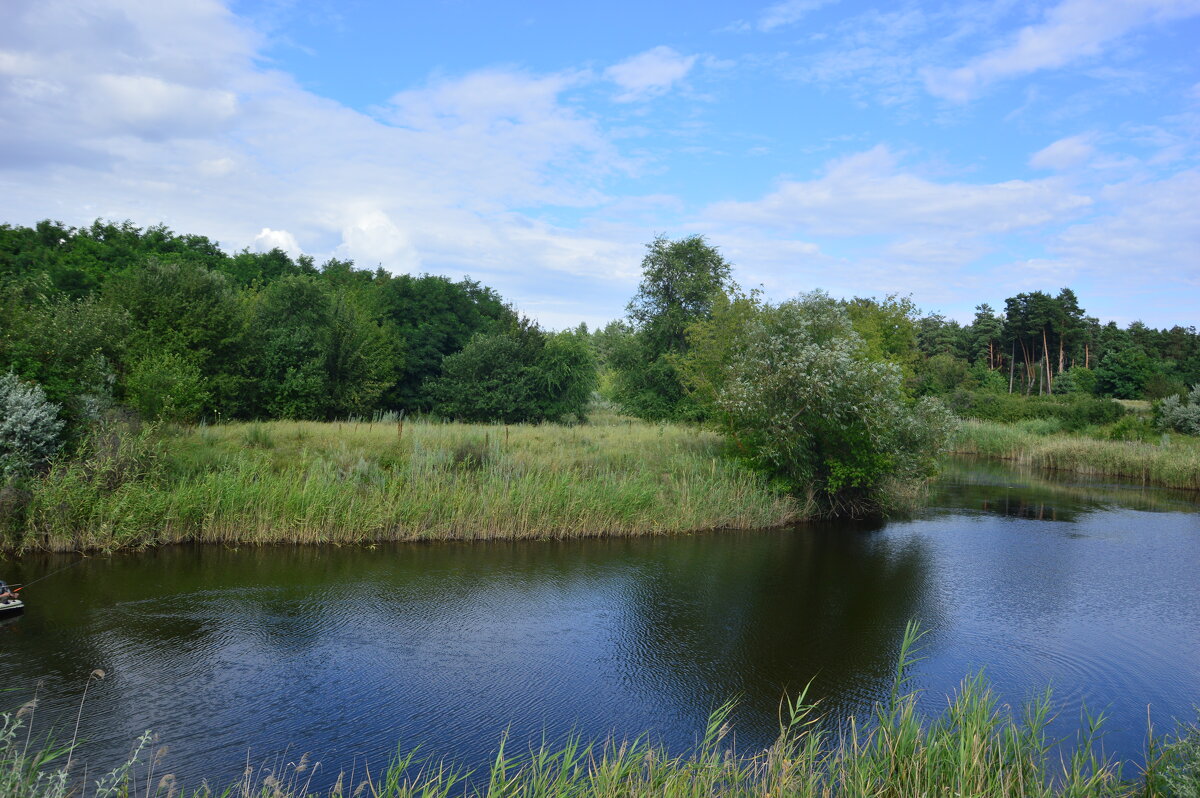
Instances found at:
x=1173 y=462
x=975 y=747
x=361 y=482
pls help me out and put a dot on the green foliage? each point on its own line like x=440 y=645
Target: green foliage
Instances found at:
x=941 y=374
x=888 y=329
x=167 y=387
x=1075 y=411
x=315 y=353
x=519 y=375
x=1076 y=380
x=1131 y=427
x=1123 y=372
x=434 y=317
x=803 y=401
x=681 y=281
x=29 y=427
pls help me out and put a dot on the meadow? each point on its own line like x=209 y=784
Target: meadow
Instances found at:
x=1169 y=460
x=362 y=482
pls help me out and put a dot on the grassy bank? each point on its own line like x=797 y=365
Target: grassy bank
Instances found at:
x=309 y=482
x=975 y=747
x=1173 y=462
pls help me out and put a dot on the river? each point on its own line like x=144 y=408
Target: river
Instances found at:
x=261 y=653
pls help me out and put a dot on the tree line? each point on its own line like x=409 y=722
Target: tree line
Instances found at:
x=175 y=328
x=834 y=397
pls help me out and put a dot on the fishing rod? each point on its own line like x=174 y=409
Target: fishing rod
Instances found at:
x=47 y=576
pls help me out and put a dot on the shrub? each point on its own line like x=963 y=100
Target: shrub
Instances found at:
x=1131 y=428
x=1181 y=415
x=803 y=402
x=167 y=387
x=519 y=375
x=1075 y=411
x=29 y=427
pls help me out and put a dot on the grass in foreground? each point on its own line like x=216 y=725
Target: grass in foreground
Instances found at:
x=309 y=482
x=1173 y=462
x=975 y=747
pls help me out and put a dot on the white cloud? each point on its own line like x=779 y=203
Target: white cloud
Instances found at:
x=866 y=194
x=372 y=238
x=1065 y=153
x=1070 y=31
x=1145 y=228
x=270 y=239
x=162 y=112
x=787 y=13
x=649 y=74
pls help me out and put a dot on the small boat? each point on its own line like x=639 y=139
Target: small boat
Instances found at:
x=11 y=606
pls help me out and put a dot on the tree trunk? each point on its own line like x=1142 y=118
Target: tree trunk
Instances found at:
x=1046 y=362
x=1012 y=365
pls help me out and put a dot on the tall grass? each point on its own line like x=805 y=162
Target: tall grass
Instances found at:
x=975 y=747
x=1173 y=462
x=357 y=482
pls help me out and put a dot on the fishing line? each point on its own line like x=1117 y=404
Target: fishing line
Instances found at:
x=47 y=576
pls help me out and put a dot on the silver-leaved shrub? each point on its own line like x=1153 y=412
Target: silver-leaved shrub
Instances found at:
x=1181 y=416
x=29 y=426
x=802 y=400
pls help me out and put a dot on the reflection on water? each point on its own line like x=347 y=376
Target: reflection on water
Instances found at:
x=347 y=652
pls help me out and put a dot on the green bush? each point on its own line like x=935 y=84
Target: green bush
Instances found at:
x=167 y=387
x=520 y=375
x=1075 y=411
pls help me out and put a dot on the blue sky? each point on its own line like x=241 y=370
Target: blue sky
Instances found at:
x=955 y=152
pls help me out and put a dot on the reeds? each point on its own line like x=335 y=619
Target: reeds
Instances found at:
x=358 y=482
x=975 y=747
x=1173 y=462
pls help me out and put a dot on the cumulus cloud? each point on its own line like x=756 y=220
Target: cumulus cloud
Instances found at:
x=1070 y=31
x=649 y=74
x=162 y=112
x=1064 y=153
x=270 y=239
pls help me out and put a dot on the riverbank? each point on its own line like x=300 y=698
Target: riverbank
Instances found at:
x=1172 y=462
x=311 y=482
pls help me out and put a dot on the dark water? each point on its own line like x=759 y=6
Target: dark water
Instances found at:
x=237 y=655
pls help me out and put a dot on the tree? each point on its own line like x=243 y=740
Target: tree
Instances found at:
x=804 y=402
x=681 y=281
x=521 y=374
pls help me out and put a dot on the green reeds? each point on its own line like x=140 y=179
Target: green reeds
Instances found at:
x=1173 y=462
x=358 y=482
x=975 y=747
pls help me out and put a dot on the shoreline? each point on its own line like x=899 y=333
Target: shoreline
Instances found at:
x=1175 y=465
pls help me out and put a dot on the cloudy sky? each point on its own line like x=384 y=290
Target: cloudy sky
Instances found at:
x=958 y=152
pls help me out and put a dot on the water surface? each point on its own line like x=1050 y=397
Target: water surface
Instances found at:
x=236 y=655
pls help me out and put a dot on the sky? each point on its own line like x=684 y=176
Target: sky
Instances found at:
x=956 y=152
